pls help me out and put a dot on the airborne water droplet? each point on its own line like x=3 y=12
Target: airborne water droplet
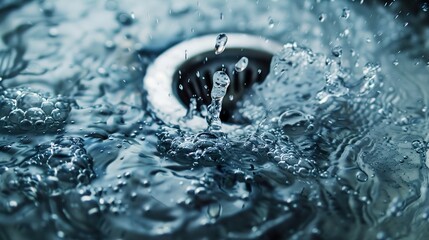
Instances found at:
x=346 y=13
x=221 y=41
x=241 y=64
x=322 y=17
x=270 y=22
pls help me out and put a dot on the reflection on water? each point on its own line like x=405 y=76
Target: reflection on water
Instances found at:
x=336 y=145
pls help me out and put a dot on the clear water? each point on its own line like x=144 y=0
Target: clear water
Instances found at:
x=336 y=147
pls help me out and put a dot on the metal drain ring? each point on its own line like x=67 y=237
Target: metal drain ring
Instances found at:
x=162 y=78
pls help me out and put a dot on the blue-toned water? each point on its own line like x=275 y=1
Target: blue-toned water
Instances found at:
x=335 y=146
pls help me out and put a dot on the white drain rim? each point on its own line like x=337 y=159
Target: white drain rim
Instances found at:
x=158 y=82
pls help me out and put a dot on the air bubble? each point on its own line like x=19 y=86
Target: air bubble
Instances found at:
x=125 y=19
x=29 y=100
x=16 y=116
x=35 y=114
x=270 y=22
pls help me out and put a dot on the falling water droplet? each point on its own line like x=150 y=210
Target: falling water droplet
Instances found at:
x=221 y=40
x=346 y=13
x=241 y=64
x=322 y=17
x=270 y=22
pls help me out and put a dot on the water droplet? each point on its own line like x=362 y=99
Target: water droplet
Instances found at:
x=241 y=64
x=221 y=41
x=16 y=116
x=102 y=72
x=180 y=86
x=322 y=17
x=270 y=22
x=396 y=62
x=346 y=13
x=28 y=100
x=425 y=7
x=214 y=210
x=109 y=45
x=60 y=234
x=125 y=19
x=59 y=115
x=35 y=114
x=337 y=51
x=361 y=176
x=53 y=32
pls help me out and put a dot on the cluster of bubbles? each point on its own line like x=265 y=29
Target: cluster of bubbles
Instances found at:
x=50 y=170
x=24 y=109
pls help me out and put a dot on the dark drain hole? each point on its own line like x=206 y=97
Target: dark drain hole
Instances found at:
x=193 y=79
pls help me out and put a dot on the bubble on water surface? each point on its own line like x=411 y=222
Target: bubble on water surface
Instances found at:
x=125 y=19
x=23 y=109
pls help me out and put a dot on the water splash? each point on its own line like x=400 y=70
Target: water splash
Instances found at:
x=221 y=82
x=313 y=167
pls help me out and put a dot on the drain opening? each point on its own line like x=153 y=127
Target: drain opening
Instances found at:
x=193 y=79
x=171 y=81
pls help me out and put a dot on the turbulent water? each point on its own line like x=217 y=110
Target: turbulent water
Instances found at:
x=336 y=146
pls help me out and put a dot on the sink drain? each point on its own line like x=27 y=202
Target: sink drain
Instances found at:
x=185 y=71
